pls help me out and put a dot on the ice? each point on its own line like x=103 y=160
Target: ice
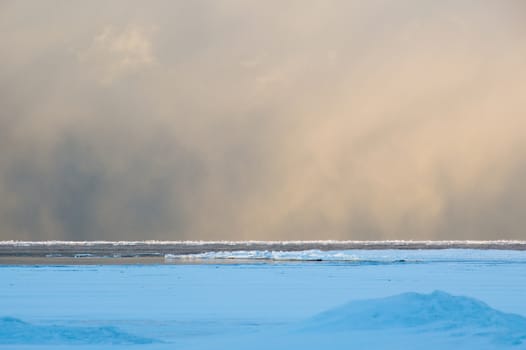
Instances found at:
x=448 y=298
x=307 y=255
x=404 y=321
x=379 y=256
x=444 y=244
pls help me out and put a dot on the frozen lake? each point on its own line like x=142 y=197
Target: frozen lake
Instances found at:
x=373 y=299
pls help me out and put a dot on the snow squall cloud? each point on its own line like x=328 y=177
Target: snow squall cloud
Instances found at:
x=262 y=120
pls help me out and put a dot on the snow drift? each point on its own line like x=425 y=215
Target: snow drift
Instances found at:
x=16 y=331
x=435 y=313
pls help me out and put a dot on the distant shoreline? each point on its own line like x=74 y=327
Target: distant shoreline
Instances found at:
x=158 y=249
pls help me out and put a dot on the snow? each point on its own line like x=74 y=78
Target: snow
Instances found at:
x=464 y=299
x=435 y=312
x=380 y=256
x=15 y=331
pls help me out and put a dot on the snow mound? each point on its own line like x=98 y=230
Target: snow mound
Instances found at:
x=15 y=331
x=436 y=312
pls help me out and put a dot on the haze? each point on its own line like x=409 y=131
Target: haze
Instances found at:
x=237 y=119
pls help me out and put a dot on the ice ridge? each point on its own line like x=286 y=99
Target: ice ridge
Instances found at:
x=359 y=255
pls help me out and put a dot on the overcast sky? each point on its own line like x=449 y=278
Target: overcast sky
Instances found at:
x=239 y=119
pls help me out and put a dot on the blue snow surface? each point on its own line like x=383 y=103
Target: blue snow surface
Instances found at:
x=432 y=299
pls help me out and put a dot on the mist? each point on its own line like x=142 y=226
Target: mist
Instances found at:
x=266 y=120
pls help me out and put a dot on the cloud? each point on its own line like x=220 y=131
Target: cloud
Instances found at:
x=252 y=120
x=115 y=53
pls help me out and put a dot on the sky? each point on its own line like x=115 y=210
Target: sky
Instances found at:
x=264 y=120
